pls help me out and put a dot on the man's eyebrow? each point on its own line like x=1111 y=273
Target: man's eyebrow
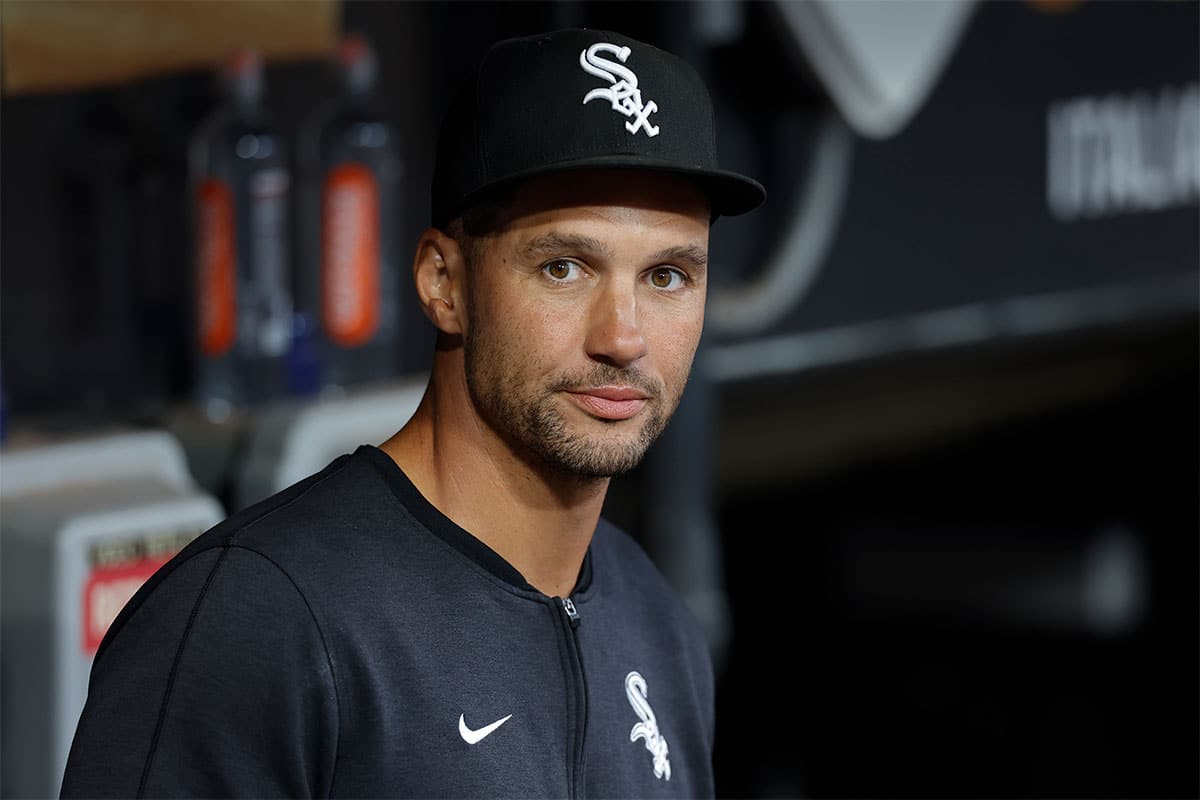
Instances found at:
x=691 y=255
x=556 y=244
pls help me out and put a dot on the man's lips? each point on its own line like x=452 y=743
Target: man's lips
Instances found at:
x=609 y=402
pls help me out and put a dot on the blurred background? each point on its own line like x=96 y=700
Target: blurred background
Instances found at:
x=932 y=490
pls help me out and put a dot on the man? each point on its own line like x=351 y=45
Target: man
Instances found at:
x=447 y=615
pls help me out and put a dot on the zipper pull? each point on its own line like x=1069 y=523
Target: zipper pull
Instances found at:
x=572 y=614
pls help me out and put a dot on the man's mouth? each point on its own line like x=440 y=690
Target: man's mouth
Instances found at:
x=609 y=402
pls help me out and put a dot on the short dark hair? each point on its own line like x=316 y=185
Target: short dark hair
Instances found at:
x=483 y=218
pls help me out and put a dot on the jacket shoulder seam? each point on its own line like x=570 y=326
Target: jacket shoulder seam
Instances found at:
x=166 y=701
x=324 y=646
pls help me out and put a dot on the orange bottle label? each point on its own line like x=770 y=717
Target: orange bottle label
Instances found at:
x=350 y=255
x=216 y=259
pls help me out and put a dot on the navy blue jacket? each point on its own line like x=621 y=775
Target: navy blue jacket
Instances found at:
x=345 y=639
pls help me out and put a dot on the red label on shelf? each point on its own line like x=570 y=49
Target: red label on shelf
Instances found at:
x=106 y=592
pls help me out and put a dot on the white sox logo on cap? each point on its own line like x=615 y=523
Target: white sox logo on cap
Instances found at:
x=624 y=94
x=486 y=139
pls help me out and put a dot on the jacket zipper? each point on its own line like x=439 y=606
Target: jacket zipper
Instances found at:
x=571 y=620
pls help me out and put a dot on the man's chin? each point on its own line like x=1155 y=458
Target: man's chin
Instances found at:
x=592 y=458
x=573 y=442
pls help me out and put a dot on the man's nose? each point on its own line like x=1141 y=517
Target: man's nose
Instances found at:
x=615 y=333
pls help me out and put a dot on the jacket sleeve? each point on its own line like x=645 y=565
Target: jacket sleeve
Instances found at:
x=216 y=683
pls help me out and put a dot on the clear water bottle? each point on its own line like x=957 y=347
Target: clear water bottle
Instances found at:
x=350 y=277
x=241 y=186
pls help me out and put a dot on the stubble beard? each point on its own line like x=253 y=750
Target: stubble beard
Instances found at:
x=534 y=424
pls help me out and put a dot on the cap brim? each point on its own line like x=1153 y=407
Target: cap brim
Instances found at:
x=729 y=193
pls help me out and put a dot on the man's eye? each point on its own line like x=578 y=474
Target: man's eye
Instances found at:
x=561 y=269
x=664 y=278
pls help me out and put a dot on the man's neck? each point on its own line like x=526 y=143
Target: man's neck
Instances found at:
x=539 y=522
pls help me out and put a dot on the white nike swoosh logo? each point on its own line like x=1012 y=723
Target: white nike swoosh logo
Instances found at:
x=473 y=737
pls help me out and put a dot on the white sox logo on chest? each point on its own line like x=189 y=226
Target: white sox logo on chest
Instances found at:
x=656 y=743
x=624 y=94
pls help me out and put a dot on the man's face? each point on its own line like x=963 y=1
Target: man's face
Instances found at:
x=585 y=310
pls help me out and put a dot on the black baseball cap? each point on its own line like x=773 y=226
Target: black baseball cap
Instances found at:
x=576 y=99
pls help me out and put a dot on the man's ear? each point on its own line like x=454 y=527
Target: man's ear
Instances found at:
x=439 y=271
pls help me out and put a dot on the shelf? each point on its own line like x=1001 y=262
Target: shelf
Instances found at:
x=68 y=45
